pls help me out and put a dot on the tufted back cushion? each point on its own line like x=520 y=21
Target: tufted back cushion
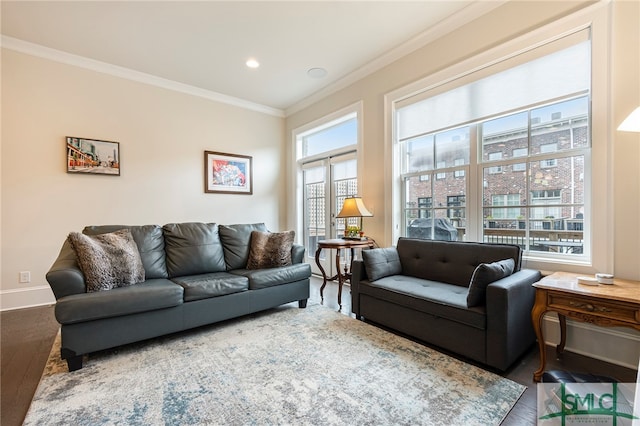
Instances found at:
x=451 y=262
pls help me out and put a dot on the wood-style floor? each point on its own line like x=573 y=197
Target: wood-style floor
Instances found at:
x=28 y=334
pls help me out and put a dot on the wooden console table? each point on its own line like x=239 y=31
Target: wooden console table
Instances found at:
x=339 y=244
x=604 y=305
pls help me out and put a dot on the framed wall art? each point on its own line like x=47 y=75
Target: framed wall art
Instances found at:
x=93 y=157
x=227 y=173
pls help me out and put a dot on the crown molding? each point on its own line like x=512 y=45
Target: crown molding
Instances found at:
x=447 y=25
x=55 y=55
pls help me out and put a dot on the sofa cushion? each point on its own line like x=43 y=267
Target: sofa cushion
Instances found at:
x=451 y=262
x=193 y=248
x=263 y=278
x=108 y=260
x=381 y=262
x=148 y=296
x=485 y=274
x=150 y=242
x=270 y=250
x=236 y=240
x=214 y=284
x=442 y=300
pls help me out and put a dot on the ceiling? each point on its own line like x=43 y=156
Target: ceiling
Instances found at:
x=205 y=44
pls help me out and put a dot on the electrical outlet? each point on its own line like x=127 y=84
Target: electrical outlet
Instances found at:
x=25 y=277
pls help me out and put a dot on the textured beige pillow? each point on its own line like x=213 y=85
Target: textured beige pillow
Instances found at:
x=108 y=260
x=270 y=250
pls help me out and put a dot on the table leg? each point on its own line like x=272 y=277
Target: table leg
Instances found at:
x=563 y=334
x=537 y=314
x=340 y=278
x=324 y=274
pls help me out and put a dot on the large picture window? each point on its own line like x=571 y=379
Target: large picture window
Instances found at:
x=517 y=140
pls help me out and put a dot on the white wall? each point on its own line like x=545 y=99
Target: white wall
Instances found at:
x=495 y=28
x=163 y=136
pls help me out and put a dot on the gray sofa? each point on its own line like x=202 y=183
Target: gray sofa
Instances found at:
x=195 y=274
x=422 y=288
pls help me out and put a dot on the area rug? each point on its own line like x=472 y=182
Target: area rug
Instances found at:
x=284 y=366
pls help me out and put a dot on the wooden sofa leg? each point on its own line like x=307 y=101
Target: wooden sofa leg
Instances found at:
x=74 y=362
x=302 y=303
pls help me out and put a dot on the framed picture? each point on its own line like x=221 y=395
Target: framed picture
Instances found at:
x=227 y=173
x=93 y=157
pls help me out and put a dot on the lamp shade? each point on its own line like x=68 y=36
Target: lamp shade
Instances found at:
x=632 y=122
x=354 y=207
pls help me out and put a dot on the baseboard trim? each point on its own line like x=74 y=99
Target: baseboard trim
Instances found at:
x=617 y=345
x=20 y=298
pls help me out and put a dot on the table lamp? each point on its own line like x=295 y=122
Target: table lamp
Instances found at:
x=354 y=207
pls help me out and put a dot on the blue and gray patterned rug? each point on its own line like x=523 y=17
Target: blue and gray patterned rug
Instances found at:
x=286 y=366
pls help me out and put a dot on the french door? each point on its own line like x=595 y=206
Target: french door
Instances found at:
x=327 y=182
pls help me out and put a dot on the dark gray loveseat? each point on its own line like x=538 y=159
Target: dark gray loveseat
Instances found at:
x=195 y=275
x=421 y=288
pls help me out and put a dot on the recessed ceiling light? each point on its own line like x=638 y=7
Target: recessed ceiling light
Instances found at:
x=252 y=63
x=317 y=72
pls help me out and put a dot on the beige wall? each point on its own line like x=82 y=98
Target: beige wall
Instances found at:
x=499 y=26
x=163 y=136
x=625 y=90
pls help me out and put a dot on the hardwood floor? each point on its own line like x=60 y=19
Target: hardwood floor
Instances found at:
x=28 y=334
x=25 y=343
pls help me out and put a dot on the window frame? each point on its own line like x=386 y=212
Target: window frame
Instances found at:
x=594 y=18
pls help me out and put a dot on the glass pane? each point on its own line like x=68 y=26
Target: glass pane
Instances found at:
x=344 y=188
x=419 y=203
x=505 y=135
x=452 y=146
x=338 y=136
x=562 y=184
x=508 y=187
x=429 y=210
x=564 y=125
x=314 y=208
x=418 y=154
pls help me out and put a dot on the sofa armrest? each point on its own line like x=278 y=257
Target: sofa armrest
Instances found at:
x=65 y=276
x=358 y=273
x=509 y=327
x=297 y=253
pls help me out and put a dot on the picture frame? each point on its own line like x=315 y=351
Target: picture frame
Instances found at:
x=92 y=156
x=228 y=173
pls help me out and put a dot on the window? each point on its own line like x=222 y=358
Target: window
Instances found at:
x=456 y=214
x=493 y=157
x=459 y=162
x=519 y=152
x=522 y=131
x=505 y=200
x=546 y=148
x=327 y=173
x=334 y=135
x=424 y=207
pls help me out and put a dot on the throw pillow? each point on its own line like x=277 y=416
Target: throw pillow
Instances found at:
x=485 y=274
x=381 y=262
x=270 y=250
x=108 y=260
